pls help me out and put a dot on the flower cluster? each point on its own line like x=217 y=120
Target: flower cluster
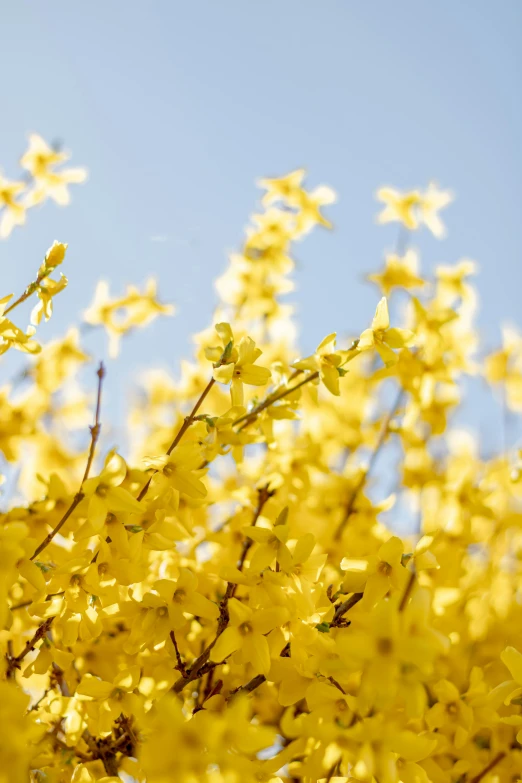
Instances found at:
x=229 y=600
x=44 y=178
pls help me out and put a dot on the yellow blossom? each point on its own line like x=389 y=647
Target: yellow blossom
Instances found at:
x=40 y=160
x=382 y=338
x=12 y=211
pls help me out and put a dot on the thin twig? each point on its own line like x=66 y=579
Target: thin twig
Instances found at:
x=498 y=758
x=337 y=685
x=344 y=607
x=407 y=591
x=264 y=494
x=95 y=429
x=197 y=669
x=181 y=666
x=95 y=432
x=247 y=418
x=250 y=686
x=187 y=422
x=259 y=679
x=14 y=662
x=29 y=291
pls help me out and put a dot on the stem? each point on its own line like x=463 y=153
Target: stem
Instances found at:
x=31 y=288
x=247 y=418
x=259 y=679
x=197 y=668
x=188 y=421
x=407 y=591
x=498 y=758
x=341 y=609
x=181 y=665
x=250 y=686
x=263 y=495
x=95 y=432
x=14 y=663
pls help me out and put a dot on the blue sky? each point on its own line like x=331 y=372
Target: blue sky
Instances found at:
x=177 y=108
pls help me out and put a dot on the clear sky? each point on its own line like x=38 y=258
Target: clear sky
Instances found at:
x=177 y=108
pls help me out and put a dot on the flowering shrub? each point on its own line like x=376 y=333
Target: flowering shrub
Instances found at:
x=227 y=601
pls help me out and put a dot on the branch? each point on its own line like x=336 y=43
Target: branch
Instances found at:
x=95 y=432
x=250 y=686
x=187 y=422
x=407 y=591
x=14 y=662
x=29 y=291
x=198 y=667
x=498 y=758
x=247 y=418
x=259 y=679
x=344 y=607
x=181 y=666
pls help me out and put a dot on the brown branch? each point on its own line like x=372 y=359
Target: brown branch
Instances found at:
x=332 y=770
x=247 y=418
x=259 y=679
x=95 y=429
x=122 y=740
x=407 y=591
x=264 y=494
x=344 y=607
x=95 y=432
x=197 y=669
x=337 y=685
x=498 y=758
x=73 y=751
x=250 y=686
x=181 y=666
x=187 y=422
x=15 y=662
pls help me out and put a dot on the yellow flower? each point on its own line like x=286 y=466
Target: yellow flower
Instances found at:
x=12 y=211
x=327 y=361
x=105 y=495
x=505 y=366
x=13 y=337
x=236 y=364
x=181 y=596
x=399 y=272
x=378 y=573
x=432 y=201
x=272 y=544
x=287 y=188
x=450 y=714
x=111 y=698
x=47 y=289
x=382 y=338
x=413 y=208
x=120 y=315
x=452 y=283
x=40 y=161
x=246 y=632
x=512 y=658
x=20 y=734
x=399 y=206
x=180 y=470
x=310 y=204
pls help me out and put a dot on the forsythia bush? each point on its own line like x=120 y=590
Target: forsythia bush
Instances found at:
x=224 y=602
